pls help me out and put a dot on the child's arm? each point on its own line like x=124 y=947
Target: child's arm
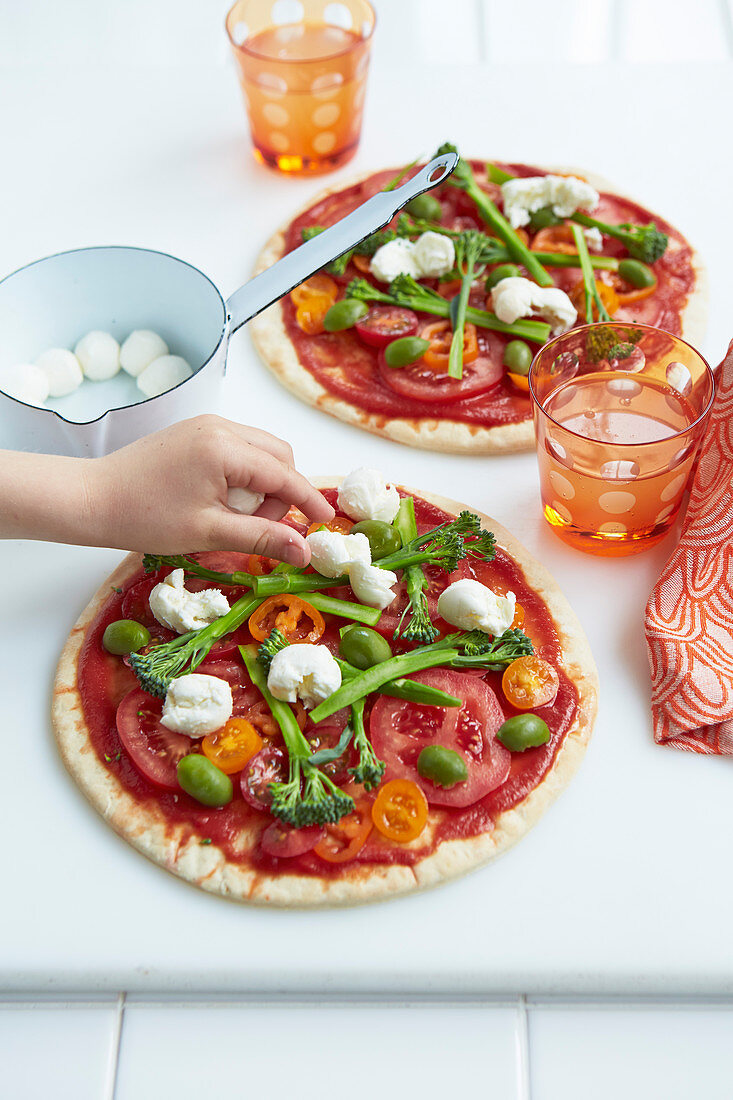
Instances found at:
x=165 y=493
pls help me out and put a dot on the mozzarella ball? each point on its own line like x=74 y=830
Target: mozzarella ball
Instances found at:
x=62 y=369
x=140 y=349
x=26 y=382
x=197 y=704
x=99 y=355
x=244 y=501
x=163 y=374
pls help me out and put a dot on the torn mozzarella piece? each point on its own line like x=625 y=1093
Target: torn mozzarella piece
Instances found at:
x=435 y=255
x=593 y=238
x=163 y=374
x=62 y=370
x=470 y=605
x=372 y=585
x=364 y=494
x=26 y=382
x=564 y=194
x=306 y=672
x=333 y=553
x=99 y=355
x=178 y=609
x=140 y=349
x=244 y=501
x=517 y=297
x=394 y=258
x=197 y=704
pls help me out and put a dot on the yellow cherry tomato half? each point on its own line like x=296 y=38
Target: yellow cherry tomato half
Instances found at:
x=530 y=682
x=319 y=285
x=292 y=616
x=400 y=810
x=521 y=381
x=233 y=745
x=310 y=313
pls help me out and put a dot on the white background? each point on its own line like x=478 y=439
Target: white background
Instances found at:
x=123 y=124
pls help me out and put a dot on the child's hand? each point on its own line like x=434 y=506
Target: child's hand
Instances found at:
x=167 y=493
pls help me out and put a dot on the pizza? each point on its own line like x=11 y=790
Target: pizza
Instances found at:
x=487 y=409
x=418 y=777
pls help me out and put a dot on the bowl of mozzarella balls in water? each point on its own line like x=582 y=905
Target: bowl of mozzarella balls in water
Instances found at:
x=97 y=357
x=103 y=345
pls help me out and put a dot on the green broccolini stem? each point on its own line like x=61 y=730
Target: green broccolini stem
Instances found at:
x=345 y=609
x=273 y=584
x=426 y=301
x=295 y=742
x=153 y=562
x=419 y=627
x=589 y=281
x=424 y=694
x=464 y=179
x=455 y=650
x=468 y=252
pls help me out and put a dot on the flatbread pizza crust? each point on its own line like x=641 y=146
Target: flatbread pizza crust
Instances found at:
x=450 y=436
x=176 y=848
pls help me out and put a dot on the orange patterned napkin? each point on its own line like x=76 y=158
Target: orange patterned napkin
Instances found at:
x=689 y=617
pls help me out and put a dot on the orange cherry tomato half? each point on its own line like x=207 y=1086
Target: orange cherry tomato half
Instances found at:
x=628 y=294
x=233 y=745
x=344 y=839
x=292 y=616
x=555 y=238
x=400 y=810
x=606 y=293
x=521 y=381
x=518 y=619
x=530 y=682
x=361 y=263
x=260 y=716
x=440 y=335
x=309 y=314
x=318 y=285
x=339 y=523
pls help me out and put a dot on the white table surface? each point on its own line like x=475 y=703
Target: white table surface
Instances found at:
x=625 y=886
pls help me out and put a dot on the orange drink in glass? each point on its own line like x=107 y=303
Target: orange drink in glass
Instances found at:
x=619 y=412
x=303 y=69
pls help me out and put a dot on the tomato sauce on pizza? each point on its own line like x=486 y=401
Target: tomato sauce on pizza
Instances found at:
x=350 y=369
x=125 y=733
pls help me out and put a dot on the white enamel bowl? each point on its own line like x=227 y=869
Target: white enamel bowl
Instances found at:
x=55 y=301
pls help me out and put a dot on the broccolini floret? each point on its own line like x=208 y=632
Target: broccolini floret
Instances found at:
x=157 y=665
x=369 y=769
x=643 y=242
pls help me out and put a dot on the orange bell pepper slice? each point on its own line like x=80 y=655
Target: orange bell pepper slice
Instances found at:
x=319 y=285
x=361 y=263
x=296 y=619
x=607 y=294
x=628 y=294
x=440 y=334
x=555 y=238
x=400 y=810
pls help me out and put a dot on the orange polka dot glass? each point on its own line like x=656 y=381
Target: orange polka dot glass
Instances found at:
x=619 y=412
x=303 y=69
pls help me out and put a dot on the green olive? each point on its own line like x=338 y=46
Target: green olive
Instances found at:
x=523 y=731
x=344 y=314
x=426 y=207
x=204 y=781
x=443 y=767
x=636 y=273
x=383 y=538
x=363 y=647
x=125 y=636
x=543 y=218
x=518 y=357
x=408 y=349
x=503 y=271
